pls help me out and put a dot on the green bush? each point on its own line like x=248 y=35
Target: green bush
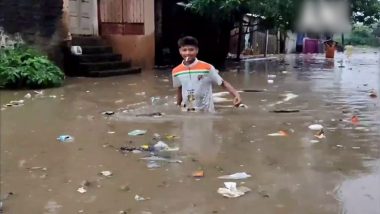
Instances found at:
x=23 y=67
x=363 y=35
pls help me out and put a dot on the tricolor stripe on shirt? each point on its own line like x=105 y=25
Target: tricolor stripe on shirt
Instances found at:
x=199 y=68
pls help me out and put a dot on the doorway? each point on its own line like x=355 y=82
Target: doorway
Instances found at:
x=83 y=17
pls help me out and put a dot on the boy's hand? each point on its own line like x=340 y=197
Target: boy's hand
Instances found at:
x=237 y=101
x=232 y=90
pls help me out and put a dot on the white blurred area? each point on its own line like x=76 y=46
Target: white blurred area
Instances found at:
x=324 y=16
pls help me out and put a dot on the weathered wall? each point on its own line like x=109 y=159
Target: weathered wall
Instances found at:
x=39 y=23
x=139 y=49
x=290 y=42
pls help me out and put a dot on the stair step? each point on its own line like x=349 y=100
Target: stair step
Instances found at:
x=99 y=57
x=96 y=49
x=87 y=41
x=99 y=66
x=115 y=72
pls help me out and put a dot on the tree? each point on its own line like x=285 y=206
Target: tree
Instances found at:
x=272 y=13
x=365 y=11
x=363 y=35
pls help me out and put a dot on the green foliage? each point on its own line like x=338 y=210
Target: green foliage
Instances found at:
x=24 y=67
x=219 y=10
x=365 y=11
x=363 y=35
x=271 y=13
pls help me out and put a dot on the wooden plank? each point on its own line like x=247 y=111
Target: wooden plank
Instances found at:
x=122 y=29
x=111 y=11
x=140 y=15
x=134 y=28
x=133 y=11
x=124 y=17
x=110 y=28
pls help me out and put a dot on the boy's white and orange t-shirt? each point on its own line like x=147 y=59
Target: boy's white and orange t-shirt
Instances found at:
x=196 y=80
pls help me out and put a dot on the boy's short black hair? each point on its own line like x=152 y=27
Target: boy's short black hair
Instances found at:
x=187 y=40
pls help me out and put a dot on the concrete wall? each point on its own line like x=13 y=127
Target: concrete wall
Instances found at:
x=138 y=49
x=39 y=23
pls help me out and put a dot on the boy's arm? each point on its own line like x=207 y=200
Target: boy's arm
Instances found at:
x=217 y=79
x=179 y=95
x=228 y=87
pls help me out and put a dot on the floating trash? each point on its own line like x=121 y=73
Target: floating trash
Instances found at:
x=170 y=137
x=316 y=127
x=320 y=134
x=156 y=158
x=65 y=139
x=108 y=113
x=160 y=145
x=137 y=132
x=28 y=96
x=279 y=134
x=140 y=198
x=81 y=190
x=198 y=174
x=231 y=191
x=106 y=173
x=236 y=176
x=153 y=165
x=14 y=103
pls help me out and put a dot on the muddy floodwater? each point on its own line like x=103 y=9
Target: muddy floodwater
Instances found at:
x=297 y=171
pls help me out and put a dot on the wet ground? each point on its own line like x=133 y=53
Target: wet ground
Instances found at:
x=297 y=173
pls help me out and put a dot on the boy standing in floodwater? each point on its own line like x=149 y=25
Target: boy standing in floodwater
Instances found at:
x=330 y=47
x=193 y=79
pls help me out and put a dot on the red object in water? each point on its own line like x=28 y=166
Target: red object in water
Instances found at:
x=355 y=119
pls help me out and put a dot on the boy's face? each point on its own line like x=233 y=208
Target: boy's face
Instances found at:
x=188 y=52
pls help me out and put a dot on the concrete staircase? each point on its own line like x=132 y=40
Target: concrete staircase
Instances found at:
x=97 y=59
